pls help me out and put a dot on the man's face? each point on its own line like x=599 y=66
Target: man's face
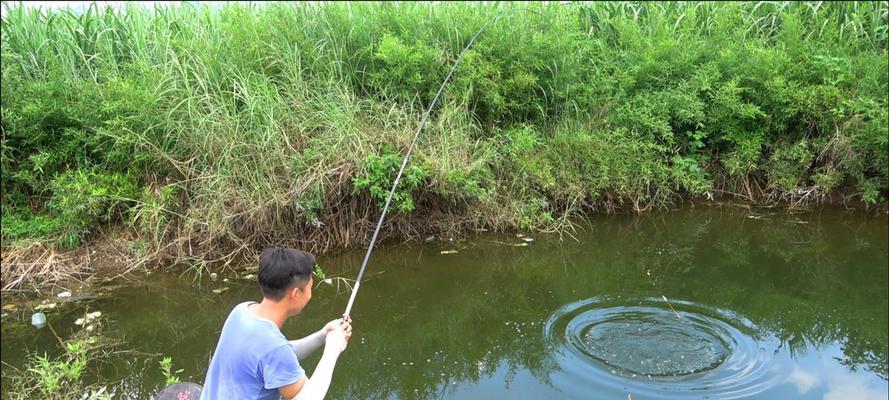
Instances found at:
x=299 y=297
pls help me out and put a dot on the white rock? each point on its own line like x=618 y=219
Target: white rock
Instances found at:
x=64 y=294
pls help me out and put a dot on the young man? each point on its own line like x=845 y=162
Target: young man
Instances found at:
x=253 y=359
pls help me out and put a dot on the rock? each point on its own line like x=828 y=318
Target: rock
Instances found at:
x=95 y=314
x=249 y=276
x=90 y=328
x=213 y=276
x=64 y=294
x=79 y=322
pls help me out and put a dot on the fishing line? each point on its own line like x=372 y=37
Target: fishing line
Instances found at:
x=407 y=158
x=648 y=272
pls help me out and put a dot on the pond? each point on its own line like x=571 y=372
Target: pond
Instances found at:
x=715 y=302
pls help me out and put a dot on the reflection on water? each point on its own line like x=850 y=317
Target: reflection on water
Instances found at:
x=774 y=306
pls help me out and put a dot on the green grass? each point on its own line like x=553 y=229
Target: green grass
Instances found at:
x=241 y=126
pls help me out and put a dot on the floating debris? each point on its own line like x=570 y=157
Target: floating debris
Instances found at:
x=214 y=275
x=64 y=294
x=249 y=276
x=48 y=306
x=8 y=307
x=519 y=235
x=430 y=238
x=84 y=296
x=3 y=315
x=523 y=244
x=449 y=252
x=38 y=320
x=89 y=317
x=220 y=290
x=527 y=239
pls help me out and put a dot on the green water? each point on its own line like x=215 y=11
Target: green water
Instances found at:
x=772 y=305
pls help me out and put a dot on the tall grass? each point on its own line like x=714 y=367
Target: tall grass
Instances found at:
x=212 y=131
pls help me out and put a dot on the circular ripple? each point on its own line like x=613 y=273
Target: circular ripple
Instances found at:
x=641 y=343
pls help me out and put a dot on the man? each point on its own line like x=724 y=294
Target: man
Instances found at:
x=253 y=359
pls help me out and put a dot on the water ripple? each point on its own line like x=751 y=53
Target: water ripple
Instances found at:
x=640 y=344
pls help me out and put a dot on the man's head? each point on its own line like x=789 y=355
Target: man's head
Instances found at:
x=285 y=277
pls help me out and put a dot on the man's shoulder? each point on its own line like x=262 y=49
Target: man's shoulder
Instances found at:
x=250 y=328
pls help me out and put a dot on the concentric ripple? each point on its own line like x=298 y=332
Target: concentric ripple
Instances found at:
x=640 y=343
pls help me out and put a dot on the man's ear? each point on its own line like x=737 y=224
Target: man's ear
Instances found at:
x=294 y=292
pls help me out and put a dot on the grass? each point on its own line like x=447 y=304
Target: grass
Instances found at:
x=212 y=132
x=61 y=377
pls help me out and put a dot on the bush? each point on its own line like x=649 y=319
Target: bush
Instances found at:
x=244 y=123
x=379 y=172
x=80 y=200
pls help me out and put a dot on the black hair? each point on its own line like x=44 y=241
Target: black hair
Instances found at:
x=280 y=269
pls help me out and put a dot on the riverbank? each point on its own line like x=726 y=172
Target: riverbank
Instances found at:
x=196 y=135
x=45 y=269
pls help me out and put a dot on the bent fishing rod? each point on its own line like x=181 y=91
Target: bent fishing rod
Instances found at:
x=407 y=157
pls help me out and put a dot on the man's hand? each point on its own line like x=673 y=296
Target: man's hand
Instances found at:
x=337 y=323
x=338 y=338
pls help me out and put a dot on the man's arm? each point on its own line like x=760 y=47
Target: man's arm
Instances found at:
x=316 y=387
x=290 y=391
x=306 y=346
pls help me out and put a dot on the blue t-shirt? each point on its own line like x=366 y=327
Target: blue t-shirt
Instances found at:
x=252 y=360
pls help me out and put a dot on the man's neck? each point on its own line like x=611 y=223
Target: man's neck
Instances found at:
x=270 y=310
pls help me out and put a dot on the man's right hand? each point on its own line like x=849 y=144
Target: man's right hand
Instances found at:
x=339 y=336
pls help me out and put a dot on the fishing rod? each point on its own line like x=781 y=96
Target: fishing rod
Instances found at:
x=407 y=157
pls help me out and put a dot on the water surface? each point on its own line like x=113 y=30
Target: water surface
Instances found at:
x=762 y=305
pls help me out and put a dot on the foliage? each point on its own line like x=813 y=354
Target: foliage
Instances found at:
x=166 y=365
x=380 y=172
x=61 y=377
x=236 y=124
